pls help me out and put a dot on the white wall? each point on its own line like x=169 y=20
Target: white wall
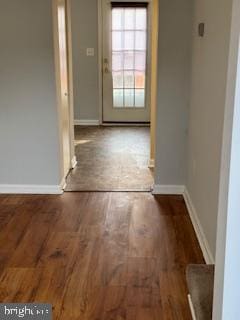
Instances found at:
x=85 y=69
x=29 y=141
x=209 y=76
x=175 y=25
x=227 y=290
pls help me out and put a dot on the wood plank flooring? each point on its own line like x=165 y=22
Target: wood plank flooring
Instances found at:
x=98 y=256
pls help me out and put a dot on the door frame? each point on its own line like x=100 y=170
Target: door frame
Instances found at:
x=72 y=158
x=151 y=68
x=70 y=83
x=226 y=284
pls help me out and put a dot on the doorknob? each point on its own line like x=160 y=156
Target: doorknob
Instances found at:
x=105 y=66
x=106 y=70
x=66 y=94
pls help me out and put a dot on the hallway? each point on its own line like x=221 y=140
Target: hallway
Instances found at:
x=111 y=159
x=98 y=256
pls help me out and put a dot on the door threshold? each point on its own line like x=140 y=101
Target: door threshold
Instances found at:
x=110 y=191
x=125 y=124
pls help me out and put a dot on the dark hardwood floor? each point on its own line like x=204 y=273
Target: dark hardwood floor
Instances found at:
x=98 y=256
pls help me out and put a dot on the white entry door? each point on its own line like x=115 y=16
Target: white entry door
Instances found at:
x=125 y=56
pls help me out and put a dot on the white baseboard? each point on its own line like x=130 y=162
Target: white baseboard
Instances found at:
x=31 y=189
x=198 y=229
x=151 y=164
x=168 y=189
x=181 y=190
x=191 y=307
x=86 y=122
x=74 y=162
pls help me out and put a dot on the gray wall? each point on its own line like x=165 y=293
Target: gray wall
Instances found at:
x=209 y=75
x=28 y=115
x=173 y=90
x=85 y=69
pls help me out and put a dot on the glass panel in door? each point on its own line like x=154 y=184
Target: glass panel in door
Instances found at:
x=129 y=53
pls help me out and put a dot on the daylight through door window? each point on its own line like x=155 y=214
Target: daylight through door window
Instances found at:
x=129 y=53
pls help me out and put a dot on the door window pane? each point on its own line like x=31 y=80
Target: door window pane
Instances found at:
x=129 y=98
x=139 y=98
x=129 y=79
x=129 y=60
x=140 y=40
x=129 y=40
x=129 y=19
x=117 y=19
x=118 y=98
x=140 y=60
x=117 y=63
x=139 y=80
x=141 y=19
x=129 y=46
x=117 y=40
x=117 y=80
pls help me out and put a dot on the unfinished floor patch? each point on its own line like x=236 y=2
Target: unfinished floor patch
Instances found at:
x=111 y=159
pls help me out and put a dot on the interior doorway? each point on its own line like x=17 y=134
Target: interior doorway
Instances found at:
x=118 y=154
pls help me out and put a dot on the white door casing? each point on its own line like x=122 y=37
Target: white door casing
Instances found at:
x=62 y=81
